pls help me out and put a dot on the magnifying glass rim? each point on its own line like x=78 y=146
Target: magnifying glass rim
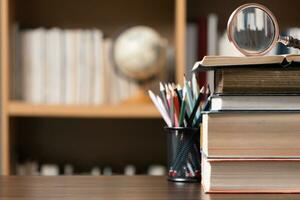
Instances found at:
x=230 y=28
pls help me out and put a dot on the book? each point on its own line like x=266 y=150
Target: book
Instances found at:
x=54 y=66
x=255 y=102
x=66 y=66
x=32 y=60
x=70 y=67
x=257 y=81
x=251 y=175
x=251 y=134
x=212 y=41
x=211 y=62
x=191 y=48
x=98 y=85
x=84 y=68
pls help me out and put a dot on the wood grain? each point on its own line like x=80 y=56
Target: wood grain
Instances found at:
x=114 y=188
x=16 y=108
x=5 y=147
x=180 y=29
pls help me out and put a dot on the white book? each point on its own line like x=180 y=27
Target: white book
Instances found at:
x=78 y=36
x=63 y=69
x=83 y=74
x=70 y=65
x=191 y=48
x=110 y=78
x=89 y=68
x=255 y=102
x=54 y=66
x=98 y=75
x=212 y=43
x=33 y=63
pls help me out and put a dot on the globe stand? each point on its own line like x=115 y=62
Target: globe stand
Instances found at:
x=140 y=97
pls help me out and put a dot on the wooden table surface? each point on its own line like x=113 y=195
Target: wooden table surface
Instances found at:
x=112 y=187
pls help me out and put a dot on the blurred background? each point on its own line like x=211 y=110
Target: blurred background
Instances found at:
x=70 y=95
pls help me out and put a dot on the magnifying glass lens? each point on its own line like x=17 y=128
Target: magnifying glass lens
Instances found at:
x=253 y=30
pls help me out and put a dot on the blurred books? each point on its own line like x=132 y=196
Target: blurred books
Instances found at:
x=67 y=66
x=34 y=168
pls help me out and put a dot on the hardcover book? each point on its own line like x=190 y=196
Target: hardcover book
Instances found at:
x=253 y=81
x=211 y=62
x=251 y=175
x=252 y=134
x=255 y=102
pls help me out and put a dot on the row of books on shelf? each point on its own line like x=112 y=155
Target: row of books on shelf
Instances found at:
x=250 y=136
x=203 y=37
x=67 y=66
x=30 y=168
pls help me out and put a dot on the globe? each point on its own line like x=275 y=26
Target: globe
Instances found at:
x=138 y=53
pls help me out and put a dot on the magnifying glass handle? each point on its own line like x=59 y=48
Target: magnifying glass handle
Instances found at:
x=289 y=41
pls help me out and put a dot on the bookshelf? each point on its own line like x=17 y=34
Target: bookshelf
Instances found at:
x=20 y=118
x=169 y=17
x=20 y=109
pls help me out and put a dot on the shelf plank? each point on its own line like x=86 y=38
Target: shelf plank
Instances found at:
x=22 y=109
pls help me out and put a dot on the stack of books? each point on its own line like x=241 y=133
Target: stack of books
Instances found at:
x=251 y=135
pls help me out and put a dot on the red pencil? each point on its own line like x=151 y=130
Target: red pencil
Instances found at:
x=177 y=108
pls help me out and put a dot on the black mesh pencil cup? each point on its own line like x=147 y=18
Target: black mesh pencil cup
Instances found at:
x=184 y=160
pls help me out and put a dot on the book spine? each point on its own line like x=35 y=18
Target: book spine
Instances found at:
x=70 y=53
x=98 y=86
x=54 y=66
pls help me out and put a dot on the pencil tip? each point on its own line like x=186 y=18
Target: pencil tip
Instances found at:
x=161 y=87
x=202 y=89
x=178 y=86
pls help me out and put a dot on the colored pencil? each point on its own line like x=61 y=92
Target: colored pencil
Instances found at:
x=176 y=108
x=155 y=101
x=181 y=106
x=196 y=105
x=163 y=96
x=182 y=109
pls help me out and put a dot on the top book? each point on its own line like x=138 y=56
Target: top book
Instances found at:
x=209 y=62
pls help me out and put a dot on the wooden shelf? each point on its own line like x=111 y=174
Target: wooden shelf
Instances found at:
x=169 y=20
x=21 y=109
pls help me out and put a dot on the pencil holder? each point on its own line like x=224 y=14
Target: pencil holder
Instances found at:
x=184 y=160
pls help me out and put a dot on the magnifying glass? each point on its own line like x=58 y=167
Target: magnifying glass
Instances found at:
x=253 y=29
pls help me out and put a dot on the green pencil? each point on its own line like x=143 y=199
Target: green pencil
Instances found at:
x=182 y=109
x=196 y=106
x=189 y=96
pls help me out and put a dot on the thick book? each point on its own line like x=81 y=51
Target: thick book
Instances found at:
x=212 y=62
x=251 y=134
x=255 y=74
x=255 y=102
x=251 y=175
x=254 y=81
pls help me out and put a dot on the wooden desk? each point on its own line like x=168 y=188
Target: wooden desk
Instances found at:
x=114 y=187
